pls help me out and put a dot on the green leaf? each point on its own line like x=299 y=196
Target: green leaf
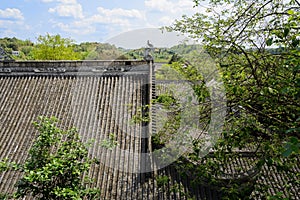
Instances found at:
x=269 y=41
x=287 y=152
x=286 y=32
x=290 y=12
x=295 y=42
x=46 y=163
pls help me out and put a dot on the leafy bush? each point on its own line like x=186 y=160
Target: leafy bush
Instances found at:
x=56 y=164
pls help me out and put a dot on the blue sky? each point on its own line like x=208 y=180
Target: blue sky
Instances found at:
x=82 y=20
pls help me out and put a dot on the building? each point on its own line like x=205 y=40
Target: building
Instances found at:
x=100 y=98
x=15 y=53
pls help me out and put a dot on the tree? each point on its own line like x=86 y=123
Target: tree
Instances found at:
x=56 y=164
x=54 y=47
x=13 y=44
x=262 y=87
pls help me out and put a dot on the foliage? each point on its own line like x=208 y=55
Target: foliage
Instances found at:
x=54 y=47
x=13 y=44
x=140 y=114
x=162 y=54
x=85 y=50
x=159 y=54
x=5 y=165
x=56 y=163
x=262 y=85
x=110 y=143
x=100 y=51
x=162 y=181
x=166 y=100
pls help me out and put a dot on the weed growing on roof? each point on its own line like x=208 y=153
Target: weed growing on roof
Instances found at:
x=109 y=143
x=57 y=161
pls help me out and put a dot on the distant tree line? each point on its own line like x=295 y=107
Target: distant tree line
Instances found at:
x=55 y=47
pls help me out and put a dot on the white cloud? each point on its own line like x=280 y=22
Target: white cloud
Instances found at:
x=164 y=12
x=61 y=1
x=112 y=21
x=76 y=28
x=169 y=6
x=102 y=19
x=5 y=23
x=11 y=13
x=68 y=10
x=160 y=5
x=186 y=4
x=11 y=28
x=119 y=12
x=119 y=18
x=166 y=20
x=68 y=1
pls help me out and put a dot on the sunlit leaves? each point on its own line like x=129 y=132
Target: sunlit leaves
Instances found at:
x=54 y=47
x=56 y=163
x=256 y=44
x=293 y=145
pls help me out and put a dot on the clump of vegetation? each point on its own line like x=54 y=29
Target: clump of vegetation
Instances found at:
x=262 y=85
x=55 y=166
x=110 y=143
x=24 y=47
x=170 y=119
x=167 y=101
x=54 y=47
x=162 y=181
x=140 y=115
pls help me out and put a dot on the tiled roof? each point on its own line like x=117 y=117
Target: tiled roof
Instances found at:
x=270 y=178
x=97 y=103
x=99 y=98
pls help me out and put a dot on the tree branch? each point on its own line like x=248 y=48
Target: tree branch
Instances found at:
x=238 y=18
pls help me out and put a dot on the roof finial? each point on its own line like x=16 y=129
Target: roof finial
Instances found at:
x=150 y=45
x=147 y=56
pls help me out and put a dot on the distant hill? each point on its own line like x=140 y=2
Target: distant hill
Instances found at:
x=87 y=50
x=99 y=51
x=164 y=54
x=24 y=47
